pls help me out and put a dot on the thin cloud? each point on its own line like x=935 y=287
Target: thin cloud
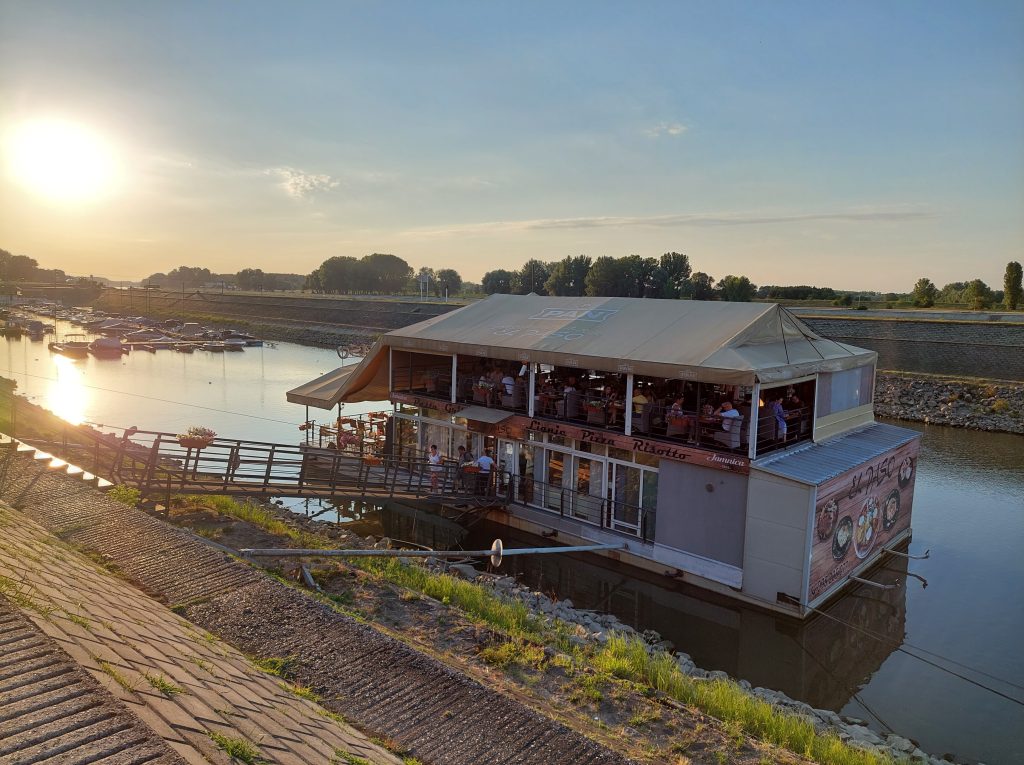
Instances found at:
x=300 y=185
x=708 y=220
x=672 y=129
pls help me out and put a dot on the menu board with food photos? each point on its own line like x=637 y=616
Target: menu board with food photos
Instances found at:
x=858 y=513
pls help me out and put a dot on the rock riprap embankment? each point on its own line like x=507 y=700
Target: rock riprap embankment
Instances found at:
x=991 y=406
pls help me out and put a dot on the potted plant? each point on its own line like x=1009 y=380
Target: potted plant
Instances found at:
x=196 y=437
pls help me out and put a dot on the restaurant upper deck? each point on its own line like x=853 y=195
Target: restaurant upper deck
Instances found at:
x=666 y=370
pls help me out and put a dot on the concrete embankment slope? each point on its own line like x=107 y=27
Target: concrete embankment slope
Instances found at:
x=320 y=320
x=951 y=344
x=377 y=682
x=168 y=690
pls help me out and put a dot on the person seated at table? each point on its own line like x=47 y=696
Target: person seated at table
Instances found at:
x=509 y=382
x=548 y=395
x=679 y=423
x=639 y=401
x=728 y=415
x=613 y=404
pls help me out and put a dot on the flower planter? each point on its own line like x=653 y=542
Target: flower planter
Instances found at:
x=195 y=443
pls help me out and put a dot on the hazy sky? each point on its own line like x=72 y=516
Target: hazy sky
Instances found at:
x=857 y=145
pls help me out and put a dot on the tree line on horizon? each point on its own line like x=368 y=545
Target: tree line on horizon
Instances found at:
x=975 y=293
x=670 y=276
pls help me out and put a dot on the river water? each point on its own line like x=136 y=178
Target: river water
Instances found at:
x=856 y=659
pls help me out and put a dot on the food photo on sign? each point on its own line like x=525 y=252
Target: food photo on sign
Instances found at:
x=858 y=513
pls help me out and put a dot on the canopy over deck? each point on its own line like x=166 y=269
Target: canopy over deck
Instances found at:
x=730 y=343
x=366 y=381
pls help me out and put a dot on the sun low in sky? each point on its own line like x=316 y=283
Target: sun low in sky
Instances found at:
x=60 y=160
x=852 y=145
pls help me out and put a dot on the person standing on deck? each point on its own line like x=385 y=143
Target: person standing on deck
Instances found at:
x=486 y=464
x=434 y=461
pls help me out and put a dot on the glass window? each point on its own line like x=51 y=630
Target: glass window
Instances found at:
x=620 y=454
x=648 y=459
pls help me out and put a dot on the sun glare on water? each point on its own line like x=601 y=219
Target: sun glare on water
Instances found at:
x=67 y=396
x=60 y=160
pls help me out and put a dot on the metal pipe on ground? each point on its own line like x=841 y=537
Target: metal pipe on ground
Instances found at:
x=496 y=553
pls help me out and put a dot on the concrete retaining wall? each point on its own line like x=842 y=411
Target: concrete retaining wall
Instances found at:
x=972 y=349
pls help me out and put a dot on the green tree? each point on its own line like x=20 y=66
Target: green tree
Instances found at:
x=497 y=282
x=249 y=278
x=978 y=295
x=338 y=274
x=675 y=269
x=448 y=282
x=641 y=277
x=736 y=289
x=604 y=279
x=953 y=293
x=1012 y=291
x=924 y=293
x=531 y=278
x=569 y=276
x=383 y=273
x=700 y=286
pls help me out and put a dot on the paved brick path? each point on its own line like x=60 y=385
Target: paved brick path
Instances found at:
x=178 y=680
x=377 y=682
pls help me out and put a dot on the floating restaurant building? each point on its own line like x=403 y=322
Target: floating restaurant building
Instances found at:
x=726 y=444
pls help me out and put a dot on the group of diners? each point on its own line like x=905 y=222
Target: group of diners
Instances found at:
x=688 y=411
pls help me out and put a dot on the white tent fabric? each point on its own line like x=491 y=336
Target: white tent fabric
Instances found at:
x=729 y=343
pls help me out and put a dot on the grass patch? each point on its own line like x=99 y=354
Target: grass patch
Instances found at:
x=162 y=684
x=125 y=495
x=475 y=601
x=274 y=665
x=81 y=621
x=20 y=594
x=109 y=669
x=236 y=747
x=513 y=653
x=628 y=658
x=201 y=663
x=257 y=515
x=344 y=758
x=301 y=691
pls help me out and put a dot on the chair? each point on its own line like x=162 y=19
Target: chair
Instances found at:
x=572 y=405
x=519 y=395
x=644 y=424
x=677 y=426
x=730 y=437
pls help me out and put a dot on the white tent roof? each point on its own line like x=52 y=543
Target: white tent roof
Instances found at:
x=731 y=343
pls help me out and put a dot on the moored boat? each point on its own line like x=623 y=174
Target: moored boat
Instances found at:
x=76 y=349
x=107 y=347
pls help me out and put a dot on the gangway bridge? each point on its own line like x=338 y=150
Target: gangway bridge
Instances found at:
x=161 y=464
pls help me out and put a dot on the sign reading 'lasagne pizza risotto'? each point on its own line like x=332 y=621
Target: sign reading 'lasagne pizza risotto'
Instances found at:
x=858 y=513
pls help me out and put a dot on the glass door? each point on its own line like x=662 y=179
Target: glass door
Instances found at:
x=624 y=494
x=554 y=479
x=588 y=489
x=505 y=460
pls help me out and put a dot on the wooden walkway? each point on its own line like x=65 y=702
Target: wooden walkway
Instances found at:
x=158 y=466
